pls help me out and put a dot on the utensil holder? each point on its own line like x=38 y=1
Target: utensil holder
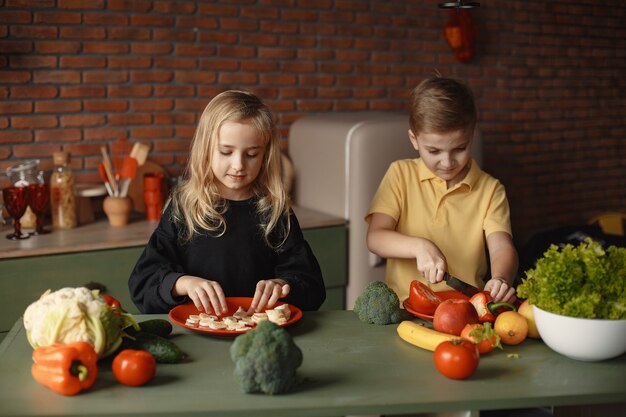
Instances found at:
x=118 y=210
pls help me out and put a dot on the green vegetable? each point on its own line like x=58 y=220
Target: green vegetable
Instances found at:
x=584 y=281
x=378 y=304
x=266 y=359
x=73 y=315
x=163 y=350
x=158 y=327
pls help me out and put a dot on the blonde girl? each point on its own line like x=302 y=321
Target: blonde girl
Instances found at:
x=228 y=229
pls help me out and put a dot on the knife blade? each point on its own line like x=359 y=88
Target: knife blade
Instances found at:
x=460 y=286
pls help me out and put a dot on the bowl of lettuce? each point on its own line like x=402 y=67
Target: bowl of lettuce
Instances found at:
x=578 y=295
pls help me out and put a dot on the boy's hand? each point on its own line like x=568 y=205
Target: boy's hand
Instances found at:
x=430 y=262
x=267 y=293
x=500 y=290
x=206 y=295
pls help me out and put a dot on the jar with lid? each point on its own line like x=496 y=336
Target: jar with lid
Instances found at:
x=62 y=192
x=23 y=175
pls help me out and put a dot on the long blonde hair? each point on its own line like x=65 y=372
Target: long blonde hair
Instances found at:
x=196 y=202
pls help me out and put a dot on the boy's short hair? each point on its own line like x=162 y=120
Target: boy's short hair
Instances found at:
x=440 y=104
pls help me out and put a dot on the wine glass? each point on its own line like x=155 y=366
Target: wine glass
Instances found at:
x=16 y=201
x=39 y=201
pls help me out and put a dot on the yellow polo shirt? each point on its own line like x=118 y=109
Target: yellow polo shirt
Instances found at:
x=457 y=220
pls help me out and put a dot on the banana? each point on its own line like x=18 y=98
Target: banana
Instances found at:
x=422 y=336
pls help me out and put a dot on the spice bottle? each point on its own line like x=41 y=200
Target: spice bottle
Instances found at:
x=62 y=192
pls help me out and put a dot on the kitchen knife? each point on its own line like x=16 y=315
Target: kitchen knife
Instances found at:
x=460 y=286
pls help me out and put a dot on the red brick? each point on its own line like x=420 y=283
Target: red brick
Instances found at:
x=174 y=35
x=238 y=78
x=106 y=106
x=191 y=104
x=129 y=119
x=202 y=23
x=152 y=48
x=117 y=62
x=151 y=132
x=82 y=91
x=103 y=133
x=173 y=90
x=217 y=9
x=105 y=77
x=176 y=119
x=16 y=47
x=129 y=91
x=218 y=37
x=174 y=62
x=106 y=48
x=278 y=79
x=60 y=76
x=33 y=32
x=259 y=66
x=57 y=17
x=82 y=120
x=15 y=107
x=14 y=77
x=185 y=132
x=57 y=106
x=134 y=34
x=195 y=77
x=4 y=123
x=82 y=62
x=82 y=4
x=152 y=105
x=107 y=19
x=219 y=64
x=32 y=92
x=34 y=150
x=16 y=17
x=58 y=135
x=32 y=62
x=130 y=6
x=174 y=7
x=151 y=76
x=279 y=26
x=29 y=122
x=314 y=105
x=15 y=136
x=82 y=32
x=57 y=47
x=151 y=20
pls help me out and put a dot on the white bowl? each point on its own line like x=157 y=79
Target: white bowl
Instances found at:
x=581 y=339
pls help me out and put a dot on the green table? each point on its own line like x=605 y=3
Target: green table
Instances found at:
x=350 y=368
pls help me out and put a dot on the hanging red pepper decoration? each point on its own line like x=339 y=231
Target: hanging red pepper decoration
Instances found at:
x=65 y=368
x=461 y=32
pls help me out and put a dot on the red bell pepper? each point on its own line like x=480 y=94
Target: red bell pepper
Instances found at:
x=65 y=368
x=113 y=302
x=422 y=298
x=486 y=309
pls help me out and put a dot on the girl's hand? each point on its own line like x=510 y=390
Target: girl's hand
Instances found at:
x=206 y=295
x=500 y=290
x=430 y=261
x=267 y=292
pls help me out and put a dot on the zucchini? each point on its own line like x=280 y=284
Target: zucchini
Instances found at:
x=163 y=350
x=158 y=327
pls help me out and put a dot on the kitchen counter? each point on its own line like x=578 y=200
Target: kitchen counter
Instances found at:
x=100 y=235
x=349 y=368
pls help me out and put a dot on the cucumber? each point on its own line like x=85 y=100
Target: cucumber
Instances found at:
x=159 y=327
x=163 y=350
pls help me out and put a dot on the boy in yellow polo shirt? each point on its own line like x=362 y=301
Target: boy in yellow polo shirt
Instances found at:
x=435 y=214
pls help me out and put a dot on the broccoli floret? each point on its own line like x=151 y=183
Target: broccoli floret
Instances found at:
x=266 y=359
x=378 y=304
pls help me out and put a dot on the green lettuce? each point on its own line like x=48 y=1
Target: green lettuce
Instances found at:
x=586 y=281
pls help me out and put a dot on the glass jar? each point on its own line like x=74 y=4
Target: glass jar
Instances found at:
x=23 y=175
x=62 y=192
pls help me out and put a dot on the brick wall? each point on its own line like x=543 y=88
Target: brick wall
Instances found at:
x=549 y=77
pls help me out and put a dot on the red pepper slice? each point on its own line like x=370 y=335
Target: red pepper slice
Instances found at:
x=65 y=368
x=422 y=298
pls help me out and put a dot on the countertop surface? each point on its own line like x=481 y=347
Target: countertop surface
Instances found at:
x=100 y=235
x=349 y=368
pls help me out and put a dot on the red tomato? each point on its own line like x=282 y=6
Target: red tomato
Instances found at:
x=422 y=298
x=134 y=367
x=456 y=359
x=483 y=336
x=453 y=314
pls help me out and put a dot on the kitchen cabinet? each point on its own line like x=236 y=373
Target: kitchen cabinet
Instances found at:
x=349 y=368
x=103 y=254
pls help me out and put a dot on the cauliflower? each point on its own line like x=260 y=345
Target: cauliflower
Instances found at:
x=378 y=304
x=266 y=359
x=75 y=315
